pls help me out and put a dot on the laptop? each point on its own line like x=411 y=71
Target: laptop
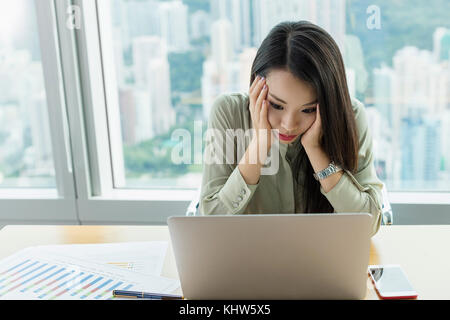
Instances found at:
x=272 y=256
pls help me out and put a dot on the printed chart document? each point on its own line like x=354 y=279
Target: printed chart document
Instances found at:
x=37 y=273
x=143 y=257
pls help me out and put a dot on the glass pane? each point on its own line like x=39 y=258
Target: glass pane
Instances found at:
x=173 y=58
x=25 y=147
x=403 y=77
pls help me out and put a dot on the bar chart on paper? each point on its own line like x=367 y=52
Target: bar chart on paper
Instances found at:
x=143 y=257
x=31 y=274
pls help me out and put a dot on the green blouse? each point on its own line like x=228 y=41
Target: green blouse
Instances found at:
x=224 y=191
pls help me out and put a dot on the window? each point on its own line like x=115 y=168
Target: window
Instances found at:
x=26 y=158
x=96 y=97
x=158 y=71
x=36 y=174
x=399 y=56
x=169 y=70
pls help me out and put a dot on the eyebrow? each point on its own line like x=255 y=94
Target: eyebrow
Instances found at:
x=306 y=104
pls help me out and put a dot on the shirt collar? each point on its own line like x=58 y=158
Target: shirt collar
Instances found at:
x=283 y=149
x=289 y=150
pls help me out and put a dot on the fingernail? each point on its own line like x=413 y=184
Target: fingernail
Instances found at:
x=265 y=87
x=262 y=79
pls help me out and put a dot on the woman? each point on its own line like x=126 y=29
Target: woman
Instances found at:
x=298 y=88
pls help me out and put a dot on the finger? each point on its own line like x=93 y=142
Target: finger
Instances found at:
x=258 y=104
x=253 y=85
x=261 y=97
x=263 y=114
x=257 y=89
x=318 y=118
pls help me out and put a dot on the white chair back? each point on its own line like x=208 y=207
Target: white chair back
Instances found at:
x=192 y=209
x=386 y=209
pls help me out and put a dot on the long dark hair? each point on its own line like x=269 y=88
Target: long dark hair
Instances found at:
x=310 y=54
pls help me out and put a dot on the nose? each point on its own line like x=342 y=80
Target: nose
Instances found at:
x=290 y=124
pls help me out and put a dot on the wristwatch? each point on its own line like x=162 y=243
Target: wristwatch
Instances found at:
x=328 y=171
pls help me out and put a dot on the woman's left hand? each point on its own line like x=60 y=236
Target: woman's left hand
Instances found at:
x=311 y=138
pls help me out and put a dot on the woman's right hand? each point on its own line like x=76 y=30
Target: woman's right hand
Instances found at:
x=256 y=154
x=258 y=111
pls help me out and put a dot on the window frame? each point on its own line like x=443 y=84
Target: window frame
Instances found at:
x=54 y=205
x=154 y=206
x=85 y=193
x=99 y=202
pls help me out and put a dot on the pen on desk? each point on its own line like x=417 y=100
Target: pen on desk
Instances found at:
x=145 y=295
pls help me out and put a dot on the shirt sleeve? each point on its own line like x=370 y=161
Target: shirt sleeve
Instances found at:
x=359 y=192
x=223 y=190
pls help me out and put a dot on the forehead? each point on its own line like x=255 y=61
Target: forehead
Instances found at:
x=287 y=87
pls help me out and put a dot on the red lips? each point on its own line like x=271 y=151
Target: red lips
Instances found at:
x=286 y=137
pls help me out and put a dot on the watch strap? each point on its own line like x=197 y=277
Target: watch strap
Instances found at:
x=328 y=171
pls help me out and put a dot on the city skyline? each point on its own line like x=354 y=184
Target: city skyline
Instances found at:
x=409 y=99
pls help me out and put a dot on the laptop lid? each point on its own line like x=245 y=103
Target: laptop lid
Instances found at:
x=280 y=256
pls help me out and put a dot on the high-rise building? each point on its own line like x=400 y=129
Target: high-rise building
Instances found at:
x=441 y=44
x=234 y=78
x=145 y=116
x=421 y=156
x=210 y=86
x=145 y=49
x=381 y=140
x=328 y=14
x=168 y=20
x=432 y=150
x=222 y=43
x=351 y=81
x=383 y=81
x=416 y=73
x=418 y=88
x=127 y=115
x=12 y=129
x=224 y=71
x=173 y=25
x=152 y=74
x=353 y=57
x=23 y=103
x=246 y=59
x=445 y=143
x=216 y=69
x=416 y=85
x=200 y=24
x=163 y=114
x=136 y=19
x=238 y=13
x=382 y=91
x=40 y=133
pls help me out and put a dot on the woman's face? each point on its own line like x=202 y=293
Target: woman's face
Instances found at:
x=292 y=105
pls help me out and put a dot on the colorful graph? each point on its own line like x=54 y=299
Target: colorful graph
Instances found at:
x=55 y=282
x=39 y=273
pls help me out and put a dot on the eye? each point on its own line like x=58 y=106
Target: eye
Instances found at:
x=309 y=110
x=275 y=106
